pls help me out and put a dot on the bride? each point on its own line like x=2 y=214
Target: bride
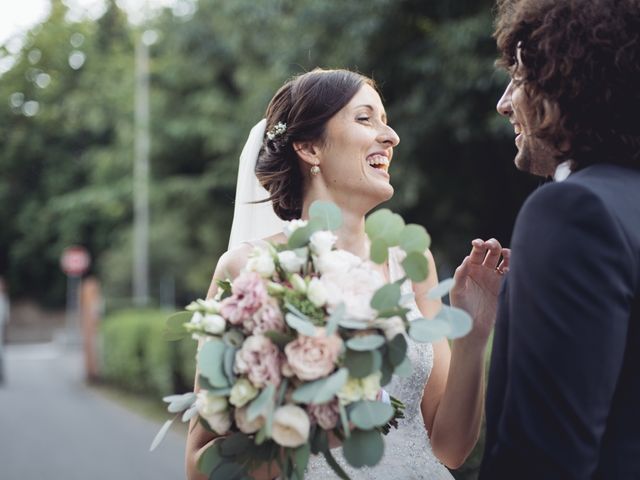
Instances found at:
x=326 y=137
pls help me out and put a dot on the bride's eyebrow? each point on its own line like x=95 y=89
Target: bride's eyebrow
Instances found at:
x=369 y=107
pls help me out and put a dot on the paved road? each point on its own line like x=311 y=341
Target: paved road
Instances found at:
x=53 y=427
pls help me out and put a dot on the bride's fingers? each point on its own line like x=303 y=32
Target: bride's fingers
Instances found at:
x=493 y=255
x=462 y=272
x=506 y=259
x=478 y=251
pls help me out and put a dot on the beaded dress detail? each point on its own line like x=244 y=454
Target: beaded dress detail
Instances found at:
x=407 y=454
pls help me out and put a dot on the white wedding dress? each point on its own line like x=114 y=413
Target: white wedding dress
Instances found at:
x=407 y=454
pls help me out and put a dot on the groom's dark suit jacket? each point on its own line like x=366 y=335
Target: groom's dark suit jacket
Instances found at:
x=563 y=399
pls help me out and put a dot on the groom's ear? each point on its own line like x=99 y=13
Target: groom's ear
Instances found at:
x=307 y=151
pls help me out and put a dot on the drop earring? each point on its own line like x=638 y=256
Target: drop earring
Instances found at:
x=315 y=170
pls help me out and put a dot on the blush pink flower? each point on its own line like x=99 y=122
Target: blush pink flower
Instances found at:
x=314 y=357
x=325 y=415
x=260 y=360
x=269 y=317
x=248 y=295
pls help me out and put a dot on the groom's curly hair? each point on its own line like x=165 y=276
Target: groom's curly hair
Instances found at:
x=581 y=71
x=305 y=104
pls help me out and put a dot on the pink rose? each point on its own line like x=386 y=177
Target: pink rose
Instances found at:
x=311 y=358
x=260 y=360
x=325 y=415
x=269 y=317
x=248 y=295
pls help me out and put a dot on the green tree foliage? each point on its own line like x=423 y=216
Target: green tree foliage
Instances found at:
x=67 y=167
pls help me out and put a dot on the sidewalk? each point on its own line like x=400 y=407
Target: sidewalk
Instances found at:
x=53 y=426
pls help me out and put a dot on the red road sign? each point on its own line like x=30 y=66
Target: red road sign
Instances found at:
x=75 y=261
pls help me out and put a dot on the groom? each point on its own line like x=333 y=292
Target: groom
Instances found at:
x=563 y=400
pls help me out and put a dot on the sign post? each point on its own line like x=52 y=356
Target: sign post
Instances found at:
x=75 y=262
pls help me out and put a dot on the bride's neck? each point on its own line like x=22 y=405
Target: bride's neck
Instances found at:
x=351 y=236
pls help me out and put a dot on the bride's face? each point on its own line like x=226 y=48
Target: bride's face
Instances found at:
x=358 y=149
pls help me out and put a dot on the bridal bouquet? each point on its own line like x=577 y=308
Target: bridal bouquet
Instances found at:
x=297 y=349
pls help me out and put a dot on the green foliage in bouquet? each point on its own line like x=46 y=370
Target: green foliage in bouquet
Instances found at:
x=261 y=392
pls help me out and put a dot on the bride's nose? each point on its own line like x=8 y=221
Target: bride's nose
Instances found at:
x=389 y=136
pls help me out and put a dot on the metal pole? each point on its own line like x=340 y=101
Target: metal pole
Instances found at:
x=141 y=177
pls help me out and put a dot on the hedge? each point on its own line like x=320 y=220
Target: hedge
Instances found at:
x=136 y=357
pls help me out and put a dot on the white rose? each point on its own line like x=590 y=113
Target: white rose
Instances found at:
x=242 y=393
x=391 y=326
x=292 y=225
x=213 y=409
x=355 y=288
x=244 y=425
x=213 y=324
x=371 y=386
x=298 y=283
x=316 y=292
x=291 y=426
x=261 y=262
x=290 y=261
x=322 y=242
x=336 y=261
x=351 y=391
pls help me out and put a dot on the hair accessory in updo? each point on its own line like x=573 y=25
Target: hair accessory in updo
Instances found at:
x=277 y=130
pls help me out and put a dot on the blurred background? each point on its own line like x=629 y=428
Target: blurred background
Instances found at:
x=121 y=123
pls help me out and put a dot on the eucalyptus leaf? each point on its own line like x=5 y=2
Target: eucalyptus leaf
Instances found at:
x=334 y=319
x=261 y=403
x=229 y=471
x=459 y=321
x=353 y=324
x=414 y=238
x=211 y=362
x=379 y=251
x=423 y=330
x=386 y=225
x=234 y=444
x=319 y=441
x=441 y=290
x=327 y=214
x=344 y=420
x=386 y=297
x=301 y=459
x=397 y=349
x=178 y=403
x=416 y=266
x=229 y=362
x=369 y=414
x=233 y=338
x=323 y=390
x=300 y=237
x=175 y=326
x=366 y=342
x=335 y=466
x=404 y=369
x=210 y=459
x=190 y=413
x=363 y=448
x=303 y=327
x=386 y=371
x=161 y=434
x=278 y=338
x=362 y=364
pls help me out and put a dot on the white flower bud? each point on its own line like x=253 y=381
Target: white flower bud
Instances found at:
x=213 y=324
x=242 y=393
x=298 y=283
x=316 y=292
x=290 y=262
x=261 y=262
x=292 y=225
x=322 y=242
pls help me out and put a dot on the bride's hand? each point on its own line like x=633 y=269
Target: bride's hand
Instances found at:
x=477 y=283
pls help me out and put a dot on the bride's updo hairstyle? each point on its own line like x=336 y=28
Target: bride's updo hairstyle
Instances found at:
x=304 y=104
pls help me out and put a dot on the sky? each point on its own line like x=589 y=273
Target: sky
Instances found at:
x=18 y=16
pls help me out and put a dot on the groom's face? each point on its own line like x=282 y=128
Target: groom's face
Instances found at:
x=535 y=154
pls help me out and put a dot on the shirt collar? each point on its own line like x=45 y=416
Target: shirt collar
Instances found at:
x=563 y=171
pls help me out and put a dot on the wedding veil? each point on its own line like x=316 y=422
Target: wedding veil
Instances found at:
x=252 y=221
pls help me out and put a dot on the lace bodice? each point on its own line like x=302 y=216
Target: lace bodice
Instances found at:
x=408 y=452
